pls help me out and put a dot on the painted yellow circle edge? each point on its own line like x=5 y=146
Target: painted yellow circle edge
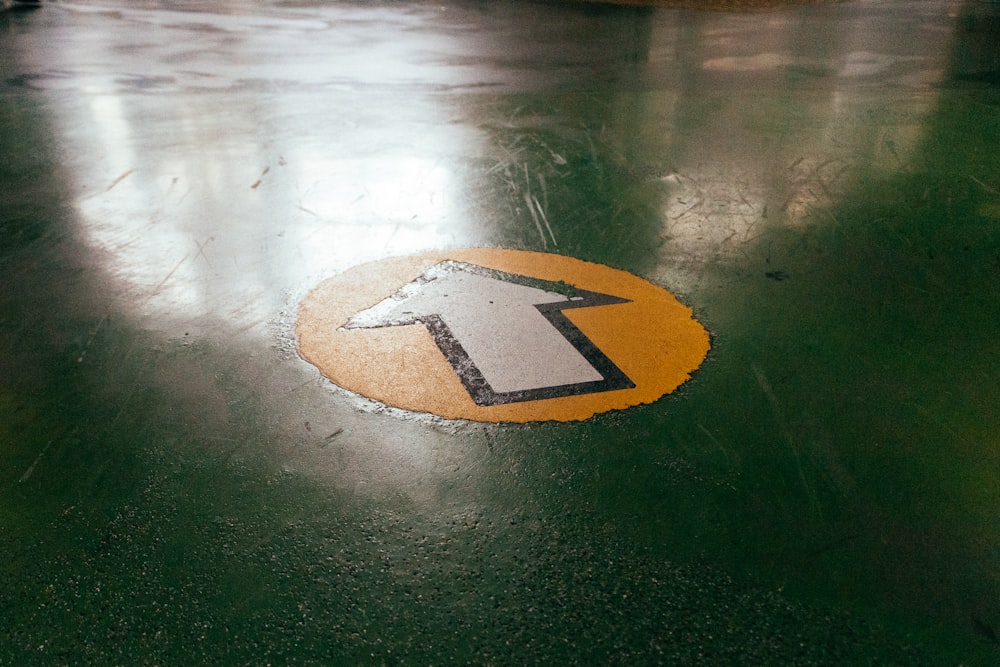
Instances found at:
x=402 y=367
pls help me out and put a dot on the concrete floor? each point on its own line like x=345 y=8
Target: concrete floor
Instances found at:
x=820 y=184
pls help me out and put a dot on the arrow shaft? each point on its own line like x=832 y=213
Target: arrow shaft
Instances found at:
x=519 y=351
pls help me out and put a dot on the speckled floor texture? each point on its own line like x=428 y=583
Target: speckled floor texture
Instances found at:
x=819 y=183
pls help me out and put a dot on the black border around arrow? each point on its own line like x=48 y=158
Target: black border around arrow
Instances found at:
x=472 y=379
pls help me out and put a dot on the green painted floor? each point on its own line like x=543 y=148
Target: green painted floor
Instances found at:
x=821 y=185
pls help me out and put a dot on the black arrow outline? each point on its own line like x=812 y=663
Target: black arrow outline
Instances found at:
x=465 y=368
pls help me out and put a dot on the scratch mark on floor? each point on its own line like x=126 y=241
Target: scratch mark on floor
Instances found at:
x=328 y=439
x=156 y=290
x=119 y=180
x=27 y=473
x=306 y=210
x=984 y=186
x=256 y=184
x=90 y=340
x=545 y=219
x=31 y=469
x=201 y=249
x=299 y=386
x=534 y=216
x=729 y=454
x=772 y=398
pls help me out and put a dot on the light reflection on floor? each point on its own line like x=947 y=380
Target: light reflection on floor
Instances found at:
x=269 y=176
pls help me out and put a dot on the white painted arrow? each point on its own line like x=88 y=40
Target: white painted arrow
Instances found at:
x=505 y=329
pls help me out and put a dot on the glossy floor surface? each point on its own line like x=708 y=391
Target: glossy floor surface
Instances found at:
x=821 y=185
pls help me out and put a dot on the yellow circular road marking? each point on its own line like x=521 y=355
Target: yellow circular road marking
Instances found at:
x=495 y=335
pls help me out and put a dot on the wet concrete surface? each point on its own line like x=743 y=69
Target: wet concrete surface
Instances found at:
x=820 y=184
